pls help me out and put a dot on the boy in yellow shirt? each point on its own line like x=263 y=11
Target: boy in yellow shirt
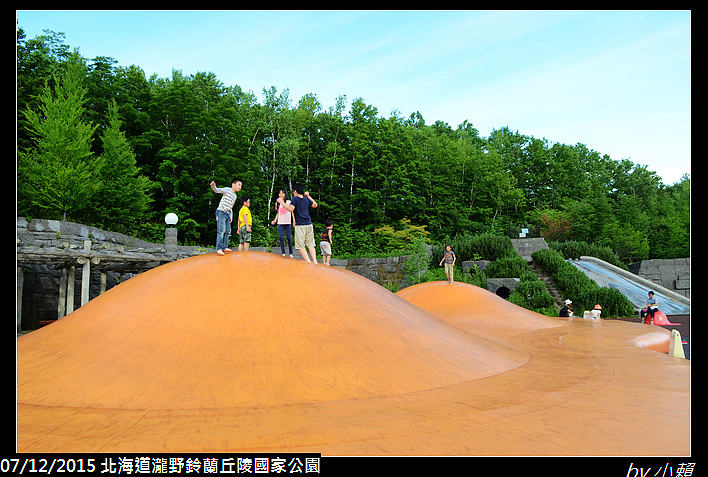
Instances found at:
x=244 y=225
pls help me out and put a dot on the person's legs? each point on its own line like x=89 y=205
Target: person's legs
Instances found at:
x=244 y=239
x=651 y=312
x=222 y=220
x=290 y=239
x=281 y=230
x=310 y=241
x=313 y=253
x=227 y=237
x=300 y=234
x=326 y=250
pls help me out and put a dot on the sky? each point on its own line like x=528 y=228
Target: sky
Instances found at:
x=618 y=82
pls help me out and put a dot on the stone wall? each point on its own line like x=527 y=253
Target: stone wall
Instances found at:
x=386 y=271
x=70 y=235
x=526 y=246
x=674 y=274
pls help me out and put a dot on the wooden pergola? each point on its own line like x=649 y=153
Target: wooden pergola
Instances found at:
x=68 y=259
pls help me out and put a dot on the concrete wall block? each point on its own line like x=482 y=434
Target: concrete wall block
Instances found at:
x=526 y=246
x=41 y=225
x=469 y=265
x=668 y=271
x=494 y=284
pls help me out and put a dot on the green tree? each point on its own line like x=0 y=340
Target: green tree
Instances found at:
x=306 y=132
x=197 y=135
x=362 y=198
x=629 y=244
x=332 y=127
x=100 y=80
x=59 y=174
x=419 y=260
x=124 y=196
x=400 y=238
x=281 y=140
x=39 y=61
x=670 y=228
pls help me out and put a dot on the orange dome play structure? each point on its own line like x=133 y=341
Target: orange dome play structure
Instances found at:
x=253 y=352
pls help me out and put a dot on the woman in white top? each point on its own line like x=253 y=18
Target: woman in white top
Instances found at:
x=284 y=219
x=595 y=314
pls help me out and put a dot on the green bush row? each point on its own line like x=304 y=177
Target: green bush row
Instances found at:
x=475 y=247
x=574 y=250
x=532 y=293
x=507 y=266
x=583 y=291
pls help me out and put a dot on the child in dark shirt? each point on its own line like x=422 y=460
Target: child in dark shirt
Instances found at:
x=449 y=258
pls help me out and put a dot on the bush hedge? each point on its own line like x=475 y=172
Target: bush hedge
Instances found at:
x=534 y=295
x=613 y=302
x=475 y=247
x=583 y=291
x=507 y=266
x=572 y=249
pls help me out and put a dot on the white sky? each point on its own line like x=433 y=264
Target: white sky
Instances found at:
x=617 y=81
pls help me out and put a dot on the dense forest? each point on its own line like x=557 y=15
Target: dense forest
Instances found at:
x=105 y=145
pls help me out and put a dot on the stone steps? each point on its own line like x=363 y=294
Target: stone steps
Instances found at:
x=546 y=278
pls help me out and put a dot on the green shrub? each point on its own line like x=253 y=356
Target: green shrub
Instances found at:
x=349 y=241
x=551 y=260
x=613 y=302
x=475 y=277
x=507 y=266
x=418 y=262
x=475 y=247
x=492 y=247
x=574 y=250
x=532 y=294
x=572 y=282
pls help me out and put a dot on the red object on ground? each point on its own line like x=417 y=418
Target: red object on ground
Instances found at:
x=660 y=319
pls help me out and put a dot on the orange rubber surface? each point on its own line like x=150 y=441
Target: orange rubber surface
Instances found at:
x=253 y=352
